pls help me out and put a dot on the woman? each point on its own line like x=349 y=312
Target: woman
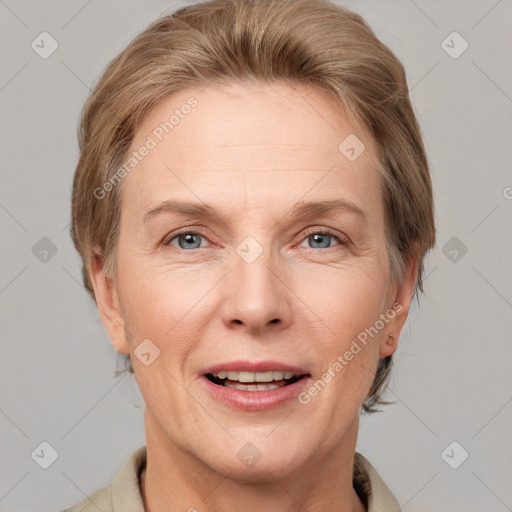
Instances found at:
x=252 y=206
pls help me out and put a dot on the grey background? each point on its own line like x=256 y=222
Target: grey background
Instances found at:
x=452 y=380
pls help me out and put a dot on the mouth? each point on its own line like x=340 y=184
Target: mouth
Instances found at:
x=253 y=381
x=249 y=386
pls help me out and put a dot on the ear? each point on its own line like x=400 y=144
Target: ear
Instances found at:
x=400 y=304
x=107 y=300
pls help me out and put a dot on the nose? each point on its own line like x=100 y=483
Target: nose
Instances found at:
x=257 y=296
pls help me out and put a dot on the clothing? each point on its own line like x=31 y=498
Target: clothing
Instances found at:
x=124 y=494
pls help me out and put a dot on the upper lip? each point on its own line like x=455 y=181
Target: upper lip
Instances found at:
x=251 y=366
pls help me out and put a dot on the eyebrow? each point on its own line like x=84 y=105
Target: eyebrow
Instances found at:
x=301 y=210
x=318 y=208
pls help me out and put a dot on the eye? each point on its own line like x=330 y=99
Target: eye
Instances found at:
x=187 y=240
x=321 y=239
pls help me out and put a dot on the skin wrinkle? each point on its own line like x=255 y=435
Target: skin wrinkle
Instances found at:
x=301 y=209
x=222 y=307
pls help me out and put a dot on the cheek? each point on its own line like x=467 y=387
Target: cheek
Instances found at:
x=164 y=307
x=155 y=295
x=347 y=299
x=171 y=306
x=345 y=329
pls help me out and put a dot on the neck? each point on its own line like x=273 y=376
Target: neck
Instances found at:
x=176 y=480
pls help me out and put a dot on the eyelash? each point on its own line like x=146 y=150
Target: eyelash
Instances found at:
x=343 y=241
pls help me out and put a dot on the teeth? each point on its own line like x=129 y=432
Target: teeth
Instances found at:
x=252 y=387
x=254 y=376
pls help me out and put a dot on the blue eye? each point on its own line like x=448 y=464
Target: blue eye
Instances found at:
x=323 y=238
x=319 y=239
x=187 y=240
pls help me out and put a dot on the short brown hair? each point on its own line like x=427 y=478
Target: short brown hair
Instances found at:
x=312 y=42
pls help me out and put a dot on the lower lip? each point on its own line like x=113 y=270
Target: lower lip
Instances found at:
x=255 y=400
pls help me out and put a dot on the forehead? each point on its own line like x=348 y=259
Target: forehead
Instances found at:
x=259 y=144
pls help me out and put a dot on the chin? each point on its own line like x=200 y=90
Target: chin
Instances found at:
x=258 y=461
x=262 y=471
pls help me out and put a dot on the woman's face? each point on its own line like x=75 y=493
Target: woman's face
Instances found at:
x=249 y=278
